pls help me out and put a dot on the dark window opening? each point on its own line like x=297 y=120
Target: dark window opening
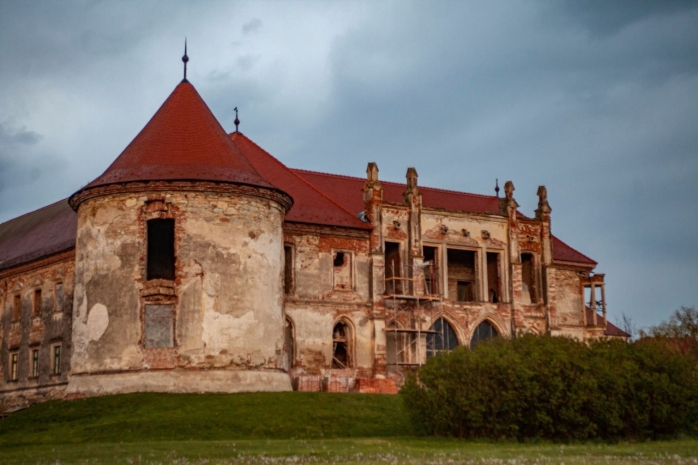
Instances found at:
x=528 y=277
x=339 y=259
x=17 y=308
x=392 y=268
x=290 y=345
x=442 y=339
x=493 y=281
x=483 y=332
x=161 y=253
x=37 y=302
x=288 y=269
x=35 y=363
x=462 y=275
x=431 y=271
x=341 y=345
x=342 y=270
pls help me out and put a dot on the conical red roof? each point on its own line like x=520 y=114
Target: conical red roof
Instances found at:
x=182 y=141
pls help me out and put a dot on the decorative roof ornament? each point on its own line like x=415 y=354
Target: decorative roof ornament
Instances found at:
x=237 y=120
x=496 y=187
x=185 y=60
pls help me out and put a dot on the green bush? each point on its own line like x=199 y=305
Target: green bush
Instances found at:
x=556 y=388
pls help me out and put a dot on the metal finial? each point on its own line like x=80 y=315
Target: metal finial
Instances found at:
x=185 y=59
x=237 y=120
x=496 y=187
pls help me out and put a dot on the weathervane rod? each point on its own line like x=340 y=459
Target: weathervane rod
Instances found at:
x=237 y=120
x=185 y=59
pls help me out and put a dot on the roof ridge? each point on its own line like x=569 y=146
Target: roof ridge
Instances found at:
x=567 y=245
x=436 y=189
x=34 y=211
x=353 y=215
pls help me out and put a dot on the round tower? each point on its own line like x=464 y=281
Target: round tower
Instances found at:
x=179 y=264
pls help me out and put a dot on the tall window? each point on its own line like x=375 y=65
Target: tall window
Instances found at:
x=161 y=252
x=462 y=275
x=14 y=358
x=36 y=309
x=494 y=293
x=342 y=344
x=58 y=289
x=35 y=363
x=288 y=269
x=483 y=332
x=441 y=338
x=56 y=359
x=393 y=268
x=528 y=277
x=342 y=270
x=17 y=307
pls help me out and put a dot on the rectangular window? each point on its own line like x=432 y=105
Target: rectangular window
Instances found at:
x=342 y=270
x=288 y=269
x=159 y=326
x=494 y=293
x=58 y=289
x=35 y=363
x=462 y=275
x=36 y=308
x=161 y=252
x=431 y=271
x=14 y=358
x=528 y=278
x=393 y=268
x=56 y=359
x=17 y=308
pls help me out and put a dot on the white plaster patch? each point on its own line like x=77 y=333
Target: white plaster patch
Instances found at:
x=97 y=322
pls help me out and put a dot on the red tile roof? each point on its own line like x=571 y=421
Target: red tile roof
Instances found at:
x=347 y=191
x=40 y=233
x=182 y=141
x=311 y=205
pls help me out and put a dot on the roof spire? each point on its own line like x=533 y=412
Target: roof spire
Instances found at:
x=185 y=59
x=237 y=120
x=496 y=187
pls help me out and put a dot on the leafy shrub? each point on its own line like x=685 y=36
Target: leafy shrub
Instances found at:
x=556 y=388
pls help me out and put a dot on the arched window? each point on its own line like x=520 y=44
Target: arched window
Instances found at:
x=342 y=343
x=483 y=332
x=443 y=338
x=289 y=343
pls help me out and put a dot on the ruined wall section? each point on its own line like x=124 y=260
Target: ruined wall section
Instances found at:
x=331 y=283
x=44 y=291
x=227 y=295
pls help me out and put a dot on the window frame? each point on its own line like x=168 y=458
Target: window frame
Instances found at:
x=13 y=369
x=56 y=358
x=37 y=301
x=34 y=362
x=352 y=274
x=477 y=273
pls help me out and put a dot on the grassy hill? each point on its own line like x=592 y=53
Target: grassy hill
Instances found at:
x=211 y=417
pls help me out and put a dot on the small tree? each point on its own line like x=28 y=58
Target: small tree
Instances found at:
x=680 y=332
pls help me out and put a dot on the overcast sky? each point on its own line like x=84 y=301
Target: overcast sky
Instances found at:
x=598 y=100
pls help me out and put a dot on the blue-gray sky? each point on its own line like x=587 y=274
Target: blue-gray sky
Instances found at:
x=596 y=100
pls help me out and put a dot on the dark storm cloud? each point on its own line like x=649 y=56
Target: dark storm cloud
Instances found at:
x=596 y=100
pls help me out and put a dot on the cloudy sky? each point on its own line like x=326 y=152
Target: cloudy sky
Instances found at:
x=596 y=100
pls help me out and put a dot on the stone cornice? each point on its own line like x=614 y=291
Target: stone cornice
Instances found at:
x=38 y=263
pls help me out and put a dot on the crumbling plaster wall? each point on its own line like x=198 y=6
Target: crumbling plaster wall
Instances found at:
x=569 y=299
x=227 y=293
x=50 y=326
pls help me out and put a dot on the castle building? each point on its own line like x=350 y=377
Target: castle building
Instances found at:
x=199 y=262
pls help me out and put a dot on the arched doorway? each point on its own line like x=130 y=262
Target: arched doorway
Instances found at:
x=483 y=332
x=442 y=339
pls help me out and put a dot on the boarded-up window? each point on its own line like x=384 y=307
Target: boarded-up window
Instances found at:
x=462 y=275
x=56 y=359
x=59 y=297
x=528 y=277
x=493 y=281
x=159 y=326
x=288 y=269
x=161 y=252
x=17 y=307
x=36 y=309
x=342 y=270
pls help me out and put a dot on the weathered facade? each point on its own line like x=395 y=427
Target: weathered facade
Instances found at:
x=199 y=262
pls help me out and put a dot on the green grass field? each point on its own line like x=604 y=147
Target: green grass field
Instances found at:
x=272 y=428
